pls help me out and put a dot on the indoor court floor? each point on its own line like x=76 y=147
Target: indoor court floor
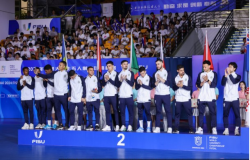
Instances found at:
x=10 y=150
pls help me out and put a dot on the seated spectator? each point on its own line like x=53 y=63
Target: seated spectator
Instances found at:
x=47 y=56
x=17 y=57
x=16 y=42
x=32 y=49
x=10 y=57
x=90 y=41
x=2 y=58
x=68 y=50
x=38 y=35
x=46 y=39
x=154 y=41
x=90 y=55
x=124 y=40
x=123 y=52
x=31 y=40
x=115 y=53
x=69 y=56
x=105 y=36
x=80 y=55
x=25 y=54
x=115 y=41
x=59 y=47
x=106 y=54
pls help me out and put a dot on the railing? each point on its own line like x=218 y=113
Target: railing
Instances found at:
x=222 y=34
x=196 y=20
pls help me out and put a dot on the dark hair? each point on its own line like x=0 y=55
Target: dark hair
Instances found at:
x=207 y=62
x=142 y=69
x=180 y=66
x=47 y=67
x=124 y=61
x=38 y=68
x=243 y=83
x=63 y=62
x=90 y=67
x=25 y=68
x=233 y=64
x=110 y=62
x=158 y=59
x=71 y=73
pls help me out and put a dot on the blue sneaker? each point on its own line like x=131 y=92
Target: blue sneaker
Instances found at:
x=54 y=126
x=140 y=130
x=148 y=130
x=47 y=127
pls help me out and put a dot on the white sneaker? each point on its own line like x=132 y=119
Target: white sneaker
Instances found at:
x=123 y=128
x=130 y=128
x=79 y=128
x=31 y=126
x=157 y=130
x=199 y=131
x=117 y=128
x=106 y=128
x=214 y=131
x=169 y=130
x=236 y=131
x=71 y=128
x=226 y=131
x=25 y=126
x=42 y=126
x=38 y=126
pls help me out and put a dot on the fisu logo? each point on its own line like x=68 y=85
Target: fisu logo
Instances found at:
x=37 y=141
x=40 y=134
x=24 y=26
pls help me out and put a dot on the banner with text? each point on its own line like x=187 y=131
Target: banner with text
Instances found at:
x=173 y=6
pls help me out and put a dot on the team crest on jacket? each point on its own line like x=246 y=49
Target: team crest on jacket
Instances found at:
x=78 y=81
x=128 y=74
x=165 y=75
x=186 y=79
x=65 y=76
x=147 y=80
x=94 y=80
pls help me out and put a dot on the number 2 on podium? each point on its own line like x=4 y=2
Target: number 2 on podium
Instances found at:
x=122 y=139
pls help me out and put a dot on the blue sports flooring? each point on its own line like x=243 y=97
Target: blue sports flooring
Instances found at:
x=10 y=150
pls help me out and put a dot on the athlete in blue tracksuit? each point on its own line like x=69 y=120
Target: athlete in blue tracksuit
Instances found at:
x=110 y=84
x=183 y=87
x=60 y=92
x=207 y=81
x=230 y=81
x=49 y=84
x=26 y=85
x=161 y=83
x=93 y=88
x=40 y=103
x=143 y=84
x=77 y=95
x=126 y=83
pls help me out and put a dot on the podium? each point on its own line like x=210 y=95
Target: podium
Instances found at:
x=159 y=141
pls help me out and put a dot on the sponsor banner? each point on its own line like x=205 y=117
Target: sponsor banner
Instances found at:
x=10 y=69
x=173 y=6
x=28 y=25
x=162 y=141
